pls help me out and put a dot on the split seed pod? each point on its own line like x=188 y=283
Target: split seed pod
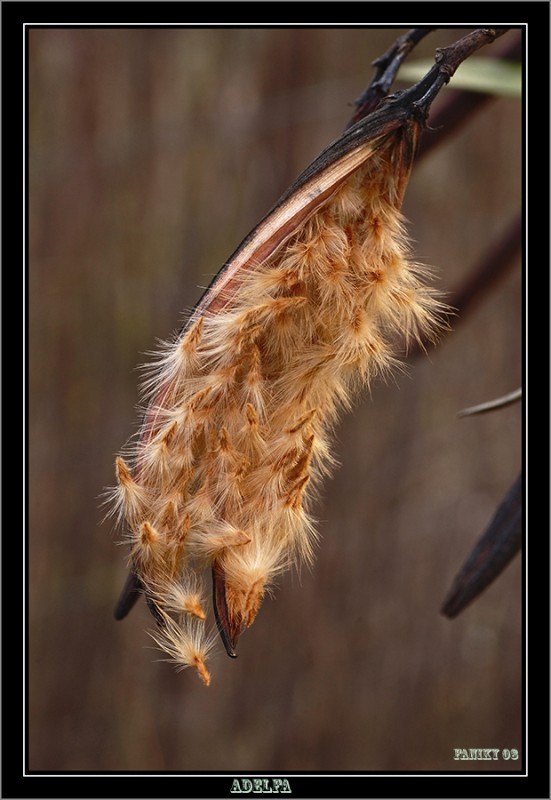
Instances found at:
x=241 y=405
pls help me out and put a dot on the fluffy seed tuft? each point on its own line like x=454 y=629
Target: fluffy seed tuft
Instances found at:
x=241 y=406
x=187 y=644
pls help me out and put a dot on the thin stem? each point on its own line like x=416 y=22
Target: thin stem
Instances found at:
x=492 y=405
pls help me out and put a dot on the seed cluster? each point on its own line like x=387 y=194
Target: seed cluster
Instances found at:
x=242 y=404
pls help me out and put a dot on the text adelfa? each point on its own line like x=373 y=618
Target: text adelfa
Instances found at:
x=260 y=786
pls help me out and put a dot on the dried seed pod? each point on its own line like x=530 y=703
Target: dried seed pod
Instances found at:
x=242 y=403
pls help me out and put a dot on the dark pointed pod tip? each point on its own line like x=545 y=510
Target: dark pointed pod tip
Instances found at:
x=130 y=592
x=221 y=615
x=497 y=546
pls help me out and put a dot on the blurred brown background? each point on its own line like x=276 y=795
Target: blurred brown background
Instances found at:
x=152 y=154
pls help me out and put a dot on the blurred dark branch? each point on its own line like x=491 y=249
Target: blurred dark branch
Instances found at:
x=492 y=267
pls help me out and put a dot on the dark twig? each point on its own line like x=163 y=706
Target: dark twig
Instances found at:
x=419 y=97
x=447 y=60
x=452 y=113
x=456 y=109
x=387 y=67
